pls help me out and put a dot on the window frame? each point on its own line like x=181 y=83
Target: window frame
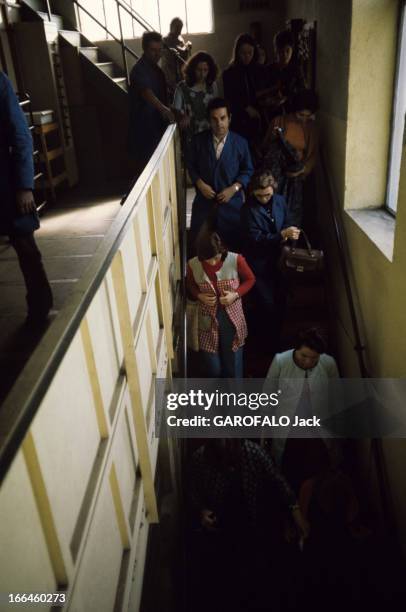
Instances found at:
x=397 y=134
x=158 y=7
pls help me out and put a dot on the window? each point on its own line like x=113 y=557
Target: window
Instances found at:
x=197 y=16
x=398 y=121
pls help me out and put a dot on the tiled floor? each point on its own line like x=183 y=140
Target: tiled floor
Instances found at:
x=69 y=235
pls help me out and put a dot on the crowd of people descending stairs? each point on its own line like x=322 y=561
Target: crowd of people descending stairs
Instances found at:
x=274 y=524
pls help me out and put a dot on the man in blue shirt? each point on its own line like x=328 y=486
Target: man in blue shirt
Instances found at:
x=18 y=216
x=220 y=166
x=149 y=110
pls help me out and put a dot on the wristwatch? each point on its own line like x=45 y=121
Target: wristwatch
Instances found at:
x=237 y=187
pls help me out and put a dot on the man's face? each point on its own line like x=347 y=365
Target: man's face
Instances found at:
x=153 y=52
x=176 y=28
x=219 y=122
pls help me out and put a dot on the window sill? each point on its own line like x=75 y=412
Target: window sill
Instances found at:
x=379 y=226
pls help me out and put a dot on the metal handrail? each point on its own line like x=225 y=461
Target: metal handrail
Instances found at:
x=125 y=49
x=147 y=26
x=121 y=42
x=376 y=444
x=342 y=249
x=21 y=405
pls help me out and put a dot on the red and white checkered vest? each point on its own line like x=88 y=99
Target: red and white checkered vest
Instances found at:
x=228 y=280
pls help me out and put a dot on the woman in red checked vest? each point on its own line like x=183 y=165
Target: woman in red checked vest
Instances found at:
x=218 y=279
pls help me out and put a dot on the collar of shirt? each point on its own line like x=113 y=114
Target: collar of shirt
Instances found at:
x=219 y=144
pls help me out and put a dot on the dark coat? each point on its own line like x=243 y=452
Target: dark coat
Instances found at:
x=262 y=241
x=241 y=84
x=16 y=161
x=147 y=125
x=234 y=165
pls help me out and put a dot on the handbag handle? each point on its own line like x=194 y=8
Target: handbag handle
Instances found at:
x=308 y=245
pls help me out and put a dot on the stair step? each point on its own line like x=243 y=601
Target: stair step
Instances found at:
x=92 y=53
x=72 y=36
x=122 y=81
x=107 y=67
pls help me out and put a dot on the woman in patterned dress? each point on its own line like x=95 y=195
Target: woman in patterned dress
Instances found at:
x=218 y=279
x=194 y=94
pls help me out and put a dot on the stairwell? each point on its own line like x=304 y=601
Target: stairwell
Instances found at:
x=93 y=106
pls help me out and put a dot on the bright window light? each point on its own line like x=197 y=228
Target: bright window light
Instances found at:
x=169 y=10
x=199 y=16
x=87 y=25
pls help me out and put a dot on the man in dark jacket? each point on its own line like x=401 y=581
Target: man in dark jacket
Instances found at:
x=150 y=114
x=18 y=217
x=220 y=166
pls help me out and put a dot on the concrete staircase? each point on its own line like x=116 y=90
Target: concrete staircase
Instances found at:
x=96 y=94
x=108 y=71
x=96 y=64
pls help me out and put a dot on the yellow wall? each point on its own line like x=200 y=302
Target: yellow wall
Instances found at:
x=381 y=284
x=371 y=78
x=355 y=75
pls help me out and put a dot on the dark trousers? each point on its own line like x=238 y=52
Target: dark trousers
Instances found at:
x=39 y=294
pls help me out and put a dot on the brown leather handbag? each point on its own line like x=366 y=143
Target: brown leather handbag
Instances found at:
x=294 y=261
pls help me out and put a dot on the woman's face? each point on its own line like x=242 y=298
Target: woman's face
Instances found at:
x=306 y=358
x=261 y=56
x=304 y=115
x=201 y=72
x=213 y=260
x=246 y=54
x=285 y=55
x=264 y=195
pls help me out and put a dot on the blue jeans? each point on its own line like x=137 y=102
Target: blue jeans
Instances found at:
x=226 y=363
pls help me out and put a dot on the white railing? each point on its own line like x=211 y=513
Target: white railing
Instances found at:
x=78 y=495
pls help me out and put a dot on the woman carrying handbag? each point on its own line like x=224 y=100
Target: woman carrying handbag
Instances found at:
x=267 y=227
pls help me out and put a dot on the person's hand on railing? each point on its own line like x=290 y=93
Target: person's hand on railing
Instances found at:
x=168 y=115
x=291 y=233
x=206 y=190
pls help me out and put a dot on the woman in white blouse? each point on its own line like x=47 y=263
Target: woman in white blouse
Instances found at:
x=302 y=374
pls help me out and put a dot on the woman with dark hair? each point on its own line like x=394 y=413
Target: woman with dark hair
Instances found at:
x=194 y=93
x=218 y=279
x=265 y=221
x=304 y=457
x=262 y=55
x=241 y=81
x=285 y=76
x=290 y=151
x=240 y=501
